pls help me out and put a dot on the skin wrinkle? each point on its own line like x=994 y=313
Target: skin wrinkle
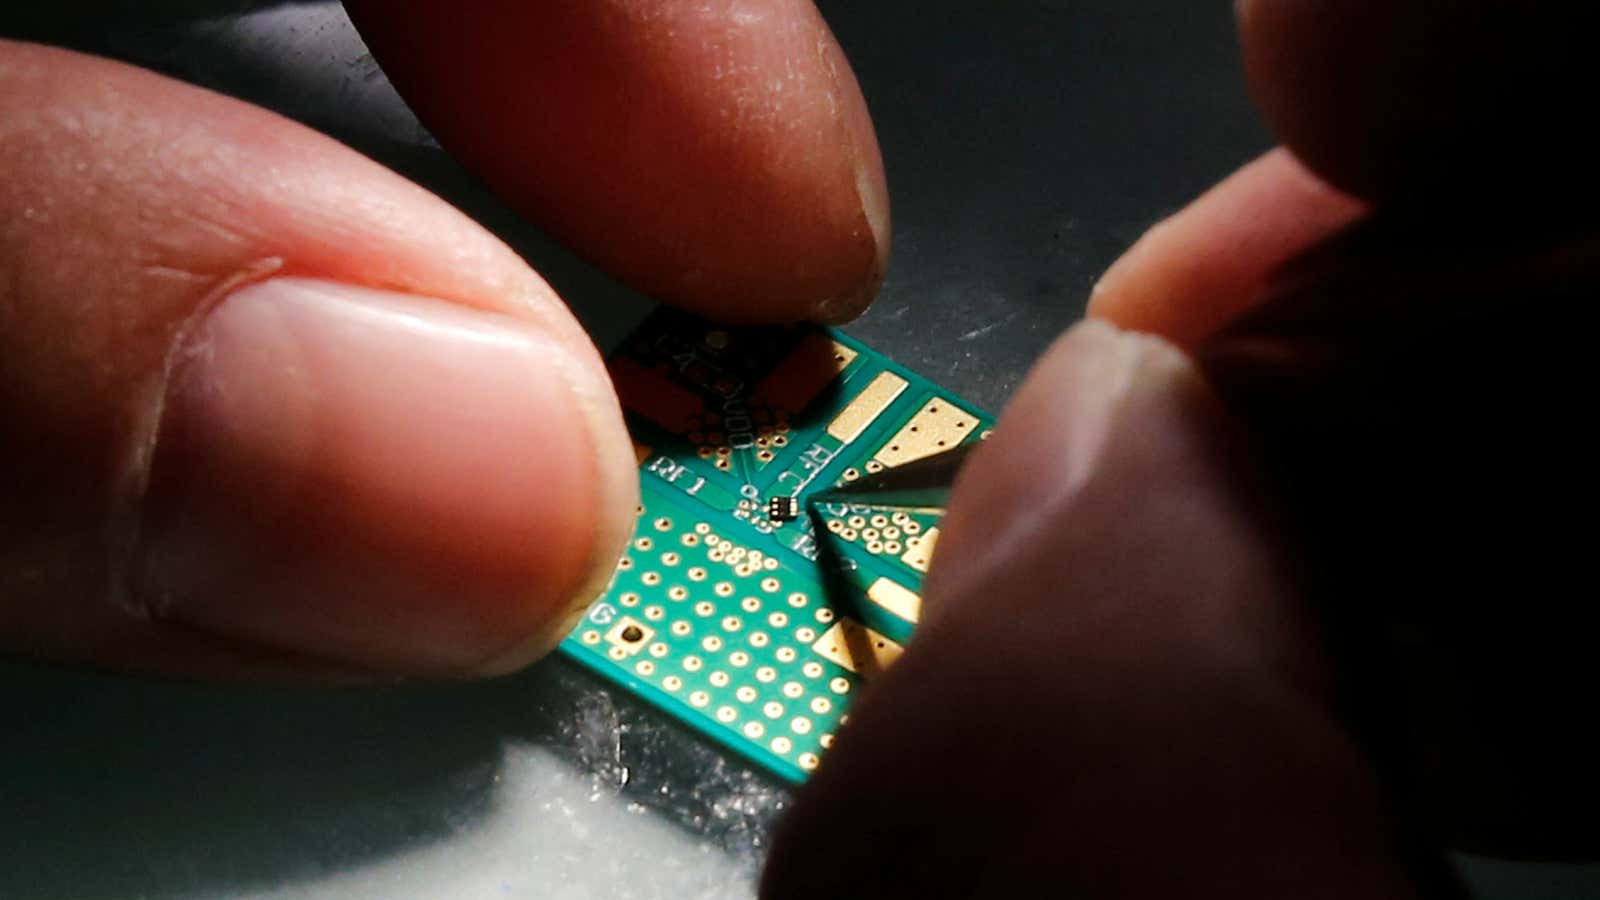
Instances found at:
x=142 y=203
x=133 y=454
x=752 y=107
x=317 y=433
x=203 y=162
x=167 y=191
x=729 y=180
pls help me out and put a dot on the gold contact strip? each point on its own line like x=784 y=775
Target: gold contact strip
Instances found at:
x=938 y=426
x=896 y=598
x=866 y=407
x=858 y=648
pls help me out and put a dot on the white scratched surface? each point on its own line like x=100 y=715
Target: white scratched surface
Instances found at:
x=537 y=785
x=547 y=832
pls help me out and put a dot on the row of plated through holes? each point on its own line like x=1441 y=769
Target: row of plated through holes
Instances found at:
x=745 y=563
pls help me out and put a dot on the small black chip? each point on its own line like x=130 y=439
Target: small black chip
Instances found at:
x=783 y=509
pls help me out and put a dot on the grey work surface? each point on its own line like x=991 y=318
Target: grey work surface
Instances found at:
x=1027 y=144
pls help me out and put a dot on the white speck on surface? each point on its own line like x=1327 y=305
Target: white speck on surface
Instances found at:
x=979 y=332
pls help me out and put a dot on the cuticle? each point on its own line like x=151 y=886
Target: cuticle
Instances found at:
x=129 y=486
x=842 y=308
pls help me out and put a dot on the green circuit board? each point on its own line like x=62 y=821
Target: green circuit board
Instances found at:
x=740 y=608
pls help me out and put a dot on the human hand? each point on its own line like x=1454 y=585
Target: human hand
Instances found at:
x=1281 y=605
x=270 y=409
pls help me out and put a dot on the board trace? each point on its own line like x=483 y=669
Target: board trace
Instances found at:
x=740 y=608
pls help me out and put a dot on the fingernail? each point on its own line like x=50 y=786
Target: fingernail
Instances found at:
x=389 y=480
x=874 y=225
x=1119 y=294
x=871 y=191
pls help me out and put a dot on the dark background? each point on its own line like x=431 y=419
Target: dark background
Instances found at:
x=1027 y=145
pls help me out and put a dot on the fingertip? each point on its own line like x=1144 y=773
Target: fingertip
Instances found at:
x=872 y=193
x=837 y=308
x=1105 y=590
x=720 y=158
x=615 y=509
x=1195 y=271
x=279 y=412
x=385 y=480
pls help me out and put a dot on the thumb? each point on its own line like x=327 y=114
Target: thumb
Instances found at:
x=269 y=407
x=1112 y=691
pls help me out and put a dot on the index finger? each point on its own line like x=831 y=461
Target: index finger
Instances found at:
x=715 y=156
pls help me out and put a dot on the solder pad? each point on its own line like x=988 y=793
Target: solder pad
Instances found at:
x=753 y=631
